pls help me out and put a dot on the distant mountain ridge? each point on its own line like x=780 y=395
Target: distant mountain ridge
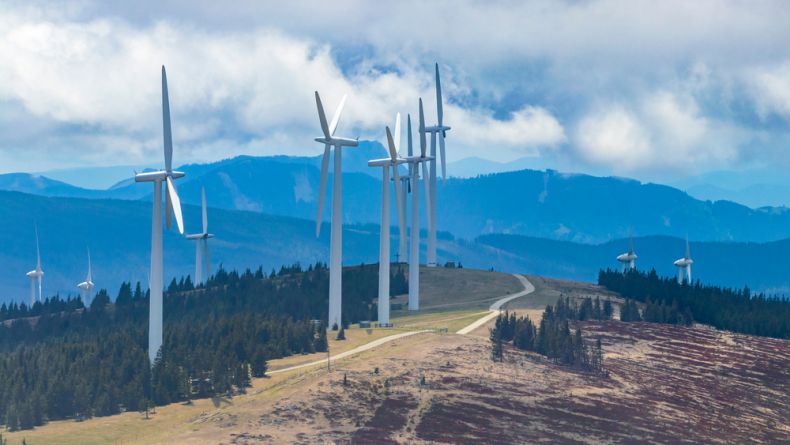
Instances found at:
x=118 y=234
x=544 y=204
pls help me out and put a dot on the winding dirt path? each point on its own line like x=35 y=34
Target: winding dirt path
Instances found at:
x=496 y=308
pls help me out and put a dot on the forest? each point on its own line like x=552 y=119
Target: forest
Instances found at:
x=737 y=310
x=553 y=338
x=60 y=360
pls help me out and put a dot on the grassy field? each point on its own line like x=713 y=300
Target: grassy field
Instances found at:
x=455 y=289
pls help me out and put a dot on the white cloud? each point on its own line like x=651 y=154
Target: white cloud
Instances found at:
x=665 y=131
x=770 y=88
x=595 y=81
x=613 y=136
x=229 y=92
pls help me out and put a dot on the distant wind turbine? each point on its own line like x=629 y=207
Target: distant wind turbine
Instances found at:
x=172 y=208
x=198 y=237
x=685 y=263
x=393 y=143
x=87 y=285
x=437 y=131
x=36 y=275
x=336 y=236
x=630 y=257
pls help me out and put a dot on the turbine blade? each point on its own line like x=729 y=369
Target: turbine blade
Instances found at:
x=391 y=145
x=397 y=133
x=423 y=141
x=444 y=160
x=322 y=190
x=175 y=203
x=207 y=257
x=168 y=210
x=205 y=215
x=439 y=111
x=336 y=117
x=409 y=147
x=322 y=116
x=166 y=123
x=38 y=252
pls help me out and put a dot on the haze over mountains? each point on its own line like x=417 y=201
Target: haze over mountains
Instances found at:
x=546 y=204
x=261 y=208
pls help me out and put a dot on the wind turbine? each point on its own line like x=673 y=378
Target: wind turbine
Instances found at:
x=437 y=131
x=685 y=263
x=336 y=236
x=87 y=285
x=414 y=170
x=384 y=233
x=630 y=257
x=36 y=275
x=203 y=236
x=172 y=208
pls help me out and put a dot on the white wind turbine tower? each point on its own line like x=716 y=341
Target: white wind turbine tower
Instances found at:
x=405 y=188
x=414 y=170
x=384 y=233
x=172 y=208
x=198 y=237
x=685 y=263
x=36 y=275
x=629 y=258
x=438 y=131
x=336 y=236
x=87 y=286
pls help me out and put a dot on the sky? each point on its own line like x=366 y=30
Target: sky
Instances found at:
x=653 y=90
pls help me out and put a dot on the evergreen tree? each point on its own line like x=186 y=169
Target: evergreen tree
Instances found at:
x=608 y=310
x=496 y=345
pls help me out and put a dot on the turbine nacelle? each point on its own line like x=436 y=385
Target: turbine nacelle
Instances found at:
x=386 y=162
x=339 y=142
x=683 y=262
x=626 y=257
x=438 y=128
x=35 y=273
x=160 y=175
x=200 y=236
x=86 y=285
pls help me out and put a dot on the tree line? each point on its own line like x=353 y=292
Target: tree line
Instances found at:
x=59 y=360
x=667 y=301
x=553 y=337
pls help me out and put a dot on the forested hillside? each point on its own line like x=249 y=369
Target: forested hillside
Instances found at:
x=60 y=360
x=737 y=310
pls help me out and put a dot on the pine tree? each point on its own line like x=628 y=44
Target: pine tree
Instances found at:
x=496 y=344
x=341 y=334
x=608 y=310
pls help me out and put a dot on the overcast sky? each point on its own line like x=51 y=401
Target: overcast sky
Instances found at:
x=643 y=89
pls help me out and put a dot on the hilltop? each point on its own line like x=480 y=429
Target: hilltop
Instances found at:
x=664 y=383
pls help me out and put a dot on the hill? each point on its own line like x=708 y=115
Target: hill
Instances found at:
x=435 y=387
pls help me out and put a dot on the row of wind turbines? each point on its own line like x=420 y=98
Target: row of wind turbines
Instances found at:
x=36 y=277
x=166 y=178
x=628 y=261
x=402 y=185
